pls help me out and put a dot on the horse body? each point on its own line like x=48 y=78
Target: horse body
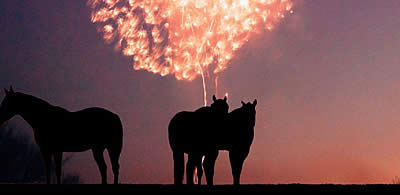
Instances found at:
x=236 y=136
x=241 y=123
x=188 y=132
x=239 y=130
x=56 y=130
x=178 y=132
x=79 y=131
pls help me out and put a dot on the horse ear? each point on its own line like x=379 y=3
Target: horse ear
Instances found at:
x=11 y=89
x=214 y=98
x=243 y=103
x=5 y=90
x=255 y=102
x=225 y=98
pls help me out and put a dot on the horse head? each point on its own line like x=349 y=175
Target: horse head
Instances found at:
x=249 y=109
x=220 y=106
x=8 y=107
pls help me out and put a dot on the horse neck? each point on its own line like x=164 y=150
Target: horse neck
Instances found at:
x=240 y=117
x=242 y=130
x=32 y=109
x=252 y=121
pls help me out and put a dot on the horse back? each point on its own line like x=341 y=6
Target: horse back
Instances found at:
x=81 y=130
x=97 y=122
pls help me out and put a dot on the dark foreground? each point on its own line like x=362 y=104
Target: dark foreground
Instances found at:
x=134 y=188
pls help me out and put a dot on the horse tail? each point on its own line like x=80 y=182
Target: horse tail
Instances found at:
x=173 y=131
x=179 y=166
x=117 y=140
x=115 y=147
x=178 y=154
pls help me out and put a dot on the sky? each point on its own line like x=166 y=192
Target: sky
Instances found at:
x=326 y=81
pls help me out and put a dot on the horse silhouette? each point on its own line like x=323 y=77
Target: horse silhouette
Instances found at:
x=188 y=132
x=57 y=130
x=236 y=136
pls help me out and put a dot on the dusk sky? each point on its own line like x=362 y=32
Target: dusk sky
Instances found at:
x=327 y=82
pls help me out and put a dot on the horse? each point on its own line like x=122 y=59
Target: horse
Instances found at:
x=188 y=133
x=57 y=130
x=236 y=137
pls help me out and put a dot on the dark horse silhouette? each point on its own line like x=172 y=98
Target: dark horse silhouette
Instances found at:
x=236 y=136
x=57 y=130
x=188 y=132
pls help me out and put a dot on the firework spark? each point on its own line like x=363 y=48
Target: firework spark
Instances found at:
x=186 y=38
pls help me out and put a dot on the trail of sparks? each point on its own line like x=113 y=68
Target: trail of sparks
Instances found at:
x=204 y=87
x=186 y=38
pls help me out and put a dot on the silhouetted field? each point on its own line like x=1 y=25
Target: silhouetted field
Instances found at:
x=152 y=188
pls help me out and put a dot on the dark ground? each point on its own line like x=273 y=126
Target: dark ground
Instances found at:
x=135 y=188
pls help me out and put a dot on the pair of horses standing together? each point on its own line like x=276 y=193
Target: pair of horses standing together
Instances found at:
x=204 y=132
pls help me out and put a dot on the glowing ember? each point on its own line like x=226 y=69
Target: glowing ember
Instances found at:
x=184 y=37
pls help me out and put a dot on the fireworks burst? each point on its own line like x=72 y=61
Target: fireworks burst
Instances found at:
x=186 y=38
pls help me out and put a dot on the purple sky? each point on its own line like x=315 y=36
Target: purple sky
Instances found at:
x=326 y=80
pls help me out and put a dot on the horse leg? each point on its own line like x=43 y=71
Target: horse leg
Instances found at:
x=58 y=162
x=236 y=159
x=195 y=160
x=209 y=163
x=47 y=164
x=179 y=167
x=99 y=158
x=114 y=154
x=190 y=166
x=199 y=165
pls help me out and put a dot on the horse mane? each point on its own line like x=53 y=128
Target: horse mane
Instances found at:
x=237 y=112
x=203 y=109
x=35 y=102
